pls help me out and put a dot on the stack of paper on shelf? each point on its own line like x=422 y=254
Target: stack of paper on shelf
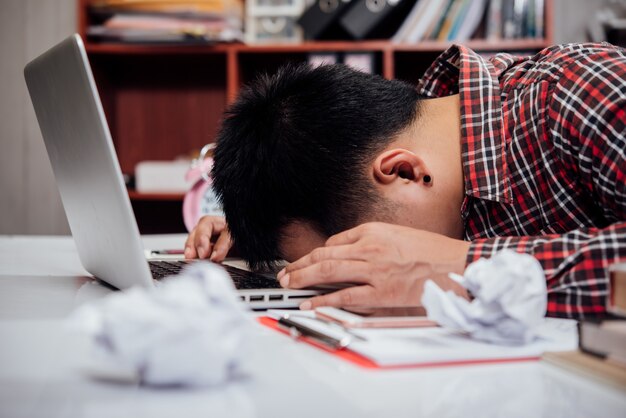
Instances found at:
x=162 y=176
x=162 y=21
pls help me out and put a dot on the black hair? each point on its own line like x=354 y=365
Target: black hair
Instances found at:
x=293 y=147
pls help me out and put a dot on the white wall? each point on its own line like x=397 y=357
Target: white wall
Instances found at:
x=572 y=18
x=29 y=200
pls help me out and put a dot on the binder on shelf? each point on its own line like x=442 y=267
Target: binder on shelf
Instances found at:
x=367 y=18
x=273 y=22
x=321 y=19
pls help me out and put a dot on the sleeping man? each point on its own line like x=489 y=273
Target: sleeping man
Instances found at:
x=354 y=178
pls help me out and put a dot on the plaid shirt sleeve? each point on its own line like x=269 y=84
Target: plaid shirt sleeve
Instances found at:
x=586 y=120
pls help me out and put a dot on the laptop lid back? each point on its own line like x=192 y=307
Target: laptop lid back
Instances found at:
x=85 y=165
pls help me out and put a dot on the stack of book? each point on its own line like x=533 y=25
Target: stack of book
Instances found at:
x=165 y=21
x=460 y=20
x=602 y=344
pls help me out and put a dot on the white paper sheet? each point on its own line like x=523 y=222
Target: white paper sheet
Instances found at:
x=510 y=300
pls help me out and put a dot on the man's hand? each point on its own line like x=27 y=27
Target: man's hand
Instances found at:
x=200 y=241
x=387 y=263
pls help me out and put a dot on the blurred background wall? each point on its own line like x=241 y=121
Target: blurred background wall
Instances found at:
x=29 y=200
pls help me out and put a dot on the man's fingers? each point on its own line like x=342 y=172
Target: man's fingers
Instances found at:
x=342 y=252
x=352 y=235
x=204 y=231
x=351 y=296
x=190 y=249
x=198 y=242
x=202 y=242
x=221 y=247
x=327 y=271
x=204 y=246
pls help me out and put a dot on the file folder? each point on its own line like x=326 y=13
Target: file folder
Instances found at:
x=320 y=20
x=379 y=18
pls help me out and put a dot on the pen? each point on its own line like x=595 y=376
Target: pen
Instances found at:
x=308 y=327
x=167 y=252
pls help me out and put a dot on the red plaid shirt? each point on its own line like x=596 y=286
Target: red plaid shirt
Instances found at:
x=544 y=161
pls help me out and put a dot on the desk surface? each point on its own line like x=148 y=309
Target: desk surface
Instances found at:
x=42 y=281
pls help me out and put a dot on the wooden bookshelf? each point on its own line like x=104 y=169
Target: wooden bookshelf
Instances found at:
x=135 y=195
x=162 y=101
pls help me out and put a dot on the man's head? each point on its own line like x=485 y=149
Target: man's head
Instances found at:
x=294 y=154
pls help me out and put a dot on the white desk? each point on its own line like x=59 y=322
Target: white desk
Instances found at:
x=41 y=282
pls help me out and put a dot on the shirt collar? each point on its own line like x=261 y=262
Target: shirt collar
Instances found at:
x=483 y=143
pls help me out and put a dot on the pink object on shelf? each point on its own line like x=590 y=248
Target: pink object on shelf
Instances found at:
x=200 y=200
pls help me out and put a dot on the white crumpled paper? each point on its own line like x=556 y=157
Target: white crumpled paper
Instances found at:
x=510 y=299
x=189 y=331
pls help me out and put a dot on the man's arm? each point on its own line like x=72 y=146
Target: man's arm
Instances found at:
x=587 y=124
x=575 y=265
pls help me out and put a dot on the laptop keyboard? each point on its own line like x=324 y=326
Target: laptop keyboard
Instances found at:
x=243 y=279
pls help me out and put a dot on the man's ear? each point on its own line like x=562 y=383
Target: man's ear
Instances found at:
x=398 y=163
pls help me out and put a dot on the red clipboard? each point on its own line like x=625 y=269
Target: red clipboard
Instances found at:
x=364 y=362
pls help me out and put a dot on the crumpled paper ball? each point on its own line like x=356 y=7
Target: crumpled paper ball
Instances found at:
x=510 y=299
x=190 y=330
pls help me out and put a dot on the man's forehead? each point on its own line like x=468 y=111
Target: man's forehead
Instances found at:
x=299 y=238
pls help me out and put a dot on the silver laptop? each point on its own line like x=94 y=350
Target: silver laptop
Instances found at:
x=90 y=182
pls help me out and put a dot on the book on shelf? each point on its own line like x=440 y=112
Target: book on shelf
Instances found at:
x=460 y=20
x=448 y=20
x=616 y=303
x=470 y=21
x=589 y=366
x=493 y=29
x=605 y=339
x=416 y=23
x=601 y=352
